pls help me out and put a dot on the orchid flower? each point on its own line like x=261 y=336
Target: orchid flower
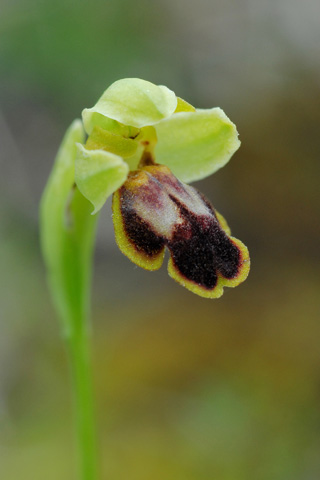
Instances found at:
x=144 y=145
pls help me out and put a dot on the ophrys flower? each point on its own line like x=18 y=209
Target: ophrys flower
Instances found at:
x=143 y=143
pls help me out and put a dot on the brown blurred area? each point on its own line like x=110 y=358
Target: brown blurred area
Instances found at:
x=186 y=388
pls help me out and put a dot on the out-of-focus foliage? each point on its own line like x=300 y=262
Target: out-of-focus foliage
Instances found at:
x=187 y=388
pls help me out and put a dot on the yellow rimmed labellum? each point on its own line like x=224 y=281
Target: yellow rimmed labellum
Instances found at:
x=127 y=246
x=244 y=265
x=154 y=210
x=223 y=223
x=217 y=290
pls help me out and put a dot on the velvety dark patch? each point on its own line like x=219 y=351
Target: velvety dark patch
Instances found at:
x=138 y=231
x=227 y=255
x=193 y=257
x=200 y=249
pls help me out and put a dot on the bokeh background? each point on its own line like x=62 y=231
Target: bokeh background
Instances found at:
x=187 y=388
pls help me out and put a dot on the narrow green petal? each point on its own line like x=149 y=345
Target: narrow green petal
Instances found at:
x=183 y=106
x=98 y=174
x=195 y=145
x=117 y=144
x=134 y=102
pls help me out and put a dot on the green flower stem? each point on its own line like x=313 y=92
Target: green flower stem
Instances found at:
x=77 y=264
x=79 y=243
x=81 y=372
x=67 y=238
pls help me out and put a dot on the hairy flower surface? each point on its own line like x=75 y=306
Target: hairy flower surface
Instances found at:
x=143 y=143
x=154 y=210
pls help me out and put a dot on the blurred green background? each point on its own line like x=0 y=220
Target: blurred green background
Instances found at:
x=187 y=388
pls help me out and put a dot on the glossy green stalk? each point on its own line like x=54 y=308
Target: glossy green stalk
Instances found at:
x=81 y=372
x=67 y=238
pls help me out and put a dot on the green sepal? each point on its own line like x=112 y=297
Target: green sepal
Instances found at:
x=98 y=174
x=196 y=144
x=134 y=102
x=67 y=234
